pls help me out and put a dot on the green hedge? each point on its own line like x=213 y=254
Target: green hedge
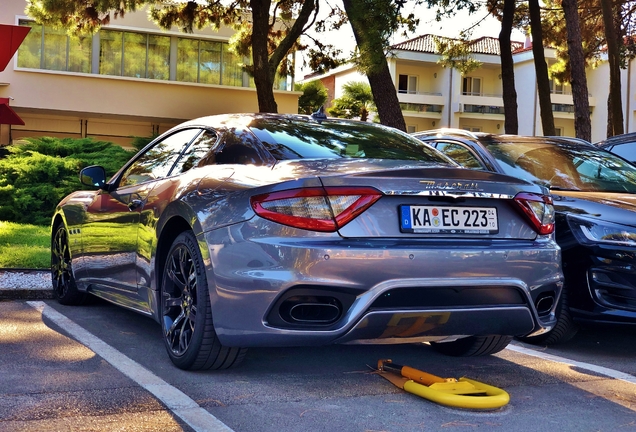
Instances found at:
x=38 y=172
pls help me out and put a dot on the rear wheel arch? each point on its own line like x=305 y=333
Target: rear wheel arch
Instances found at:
x=169 y=232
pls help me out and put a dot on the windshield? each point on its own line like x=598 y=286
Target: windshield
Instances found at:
x=300 y=139
x=565 y=166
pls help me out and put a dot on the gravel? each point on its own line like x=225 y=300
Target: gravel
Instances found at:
x=27 y=284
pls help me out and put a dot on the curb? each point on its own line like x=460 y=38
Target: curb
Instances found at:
x=21 y=290
x=25 y=294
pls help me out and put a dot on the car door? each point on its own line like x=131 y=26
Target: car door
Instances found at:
x=110 y=230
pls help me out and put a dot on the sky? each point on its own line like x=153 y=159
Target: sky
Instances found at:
x=449 y=27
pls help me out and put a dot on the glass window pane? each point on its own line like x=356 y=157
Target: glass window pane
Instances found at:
x=194 y=156
x=403 y=83
x=158 y=160
x=31 y=49
x=232 y=68
x=135 y=55
x=412 y=84
x=110 y=52
x=477 y=86
x=158 y=57
x=210 y=62
x=79 y=55
x=54 y=49
x=187 y=59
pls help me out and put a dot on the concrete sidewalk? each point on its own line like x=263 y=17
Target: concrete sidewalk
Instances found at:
x=25 y=284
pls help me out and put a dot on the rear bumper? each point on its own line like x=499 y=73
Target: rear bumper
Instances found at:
x=249 y=278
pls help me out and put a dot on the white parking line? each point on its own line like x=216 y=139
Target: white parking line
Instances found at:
x=176 y=401
x=587 y=366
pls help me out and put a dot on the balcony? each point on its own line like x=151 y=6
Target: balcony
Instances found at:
x=481 y=99
x=422 y=98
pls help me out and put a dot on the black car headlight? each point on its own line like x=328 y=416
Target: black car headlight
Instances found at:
x=588 y=232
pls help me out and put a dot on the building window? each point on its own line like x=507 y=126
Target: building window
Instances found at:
x=407 y=84
x=558 y=131
x=556 y=88
x=50 y=49
x=472 y=129
x=208 y=62
x=471 y=86
x=136 y=55
x=410 y=129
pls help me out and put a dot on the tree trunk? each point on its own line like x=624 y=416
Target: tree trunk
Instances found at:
x=582 y=123
x=613 y=57
x=541 y=70
x=511 y=120
x=263 y=77
x=382 y=86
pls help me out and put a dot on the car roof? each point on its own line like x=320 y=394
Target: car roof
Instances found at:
x=617 y=139
x=488 y=137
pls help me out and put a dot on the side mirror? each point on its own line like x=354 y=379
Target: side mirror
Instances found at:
x=93 y=176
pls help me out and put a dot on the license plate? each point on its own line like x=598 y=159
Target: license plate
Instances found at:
x=448 y=220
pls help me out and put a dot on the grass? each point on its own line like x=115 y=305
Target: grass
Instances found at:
x=24 y=246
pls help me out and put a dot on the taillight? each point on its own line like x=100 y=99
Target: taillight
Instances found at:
x=317 y=209
x=539 y=211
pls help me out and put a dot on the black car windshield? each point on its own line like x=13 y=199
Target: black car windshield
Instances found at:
x=564 y=166
x=301 y=139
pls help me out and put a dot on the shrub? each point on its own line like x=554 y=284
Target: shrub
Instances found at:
x=38 y=172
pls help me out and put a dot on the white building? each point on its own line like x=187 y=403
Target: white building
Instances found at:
x=432 y=96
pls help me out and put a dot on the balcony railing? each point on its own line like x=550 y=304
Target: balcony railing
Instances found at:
x=496 y=95
x=483 y=109
x=418 y=93
x=421 y=107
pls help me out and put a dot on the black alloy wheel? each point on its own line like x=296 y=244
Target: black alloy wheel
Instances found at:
x=64 y=286
x=188 y=330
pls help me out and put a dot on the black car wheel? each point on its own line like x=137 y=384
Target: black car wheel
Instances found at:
x=473 y=346
x=564 y=330
x=187 y=325
x=64 y=286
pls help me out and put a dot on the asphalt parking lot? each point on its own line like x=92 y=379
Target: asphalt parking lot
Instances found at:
x=100 y=367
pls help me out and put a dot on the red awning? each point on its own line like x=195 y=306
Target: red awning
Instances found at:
x=7 y=115
x=11 y=36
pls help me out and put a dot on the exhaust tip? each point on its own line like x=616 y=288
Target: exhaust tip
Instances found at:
x=311 y=310
x=544 y=304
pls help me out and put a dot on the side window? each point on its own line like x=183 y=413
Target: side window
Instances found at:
x=159 y=159
x=239 y=147
x=628 y=151
x=195 y=154
x=460 y=154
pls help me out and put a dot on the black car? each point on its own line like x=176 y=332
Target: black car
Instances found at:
x=622 y=145
x=594 y=195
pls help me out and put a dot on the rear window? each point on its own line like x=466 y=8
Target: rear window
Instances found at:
x=564 y=166
x=302 y=139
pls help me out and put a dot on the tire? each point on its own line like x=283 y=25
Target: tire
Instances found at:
x=186 y=314
x=64 y=286
x=564 y=330
x=472 y=346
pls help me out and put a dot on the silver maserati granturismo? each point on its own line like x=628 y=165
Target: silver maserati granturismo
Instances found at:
x=247 y=230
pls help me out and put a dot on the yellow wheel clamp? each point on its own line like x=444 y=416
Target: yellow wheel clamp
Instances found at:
x=462 y=393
